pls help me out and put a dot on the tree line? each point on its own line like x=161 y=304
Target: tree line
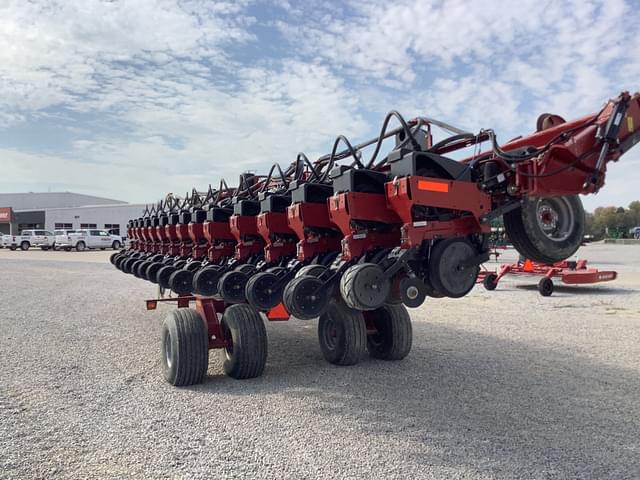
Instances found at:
x=613 y=222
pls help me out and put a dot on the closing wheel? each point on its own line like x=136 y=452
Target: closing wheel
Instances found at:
x=545 y=287
x=141 y=269
x=393 y=337
x=193 y=266
x=546 y=230
x=163 y=276
x=181 y=282
x=185 y=347
x=231 y=286
x=447 y=271
x=264 y=290
x=247 y=268
x=151 y=273
x=246 y=352
x=412 y=291
x=305 y=297
x=490 y=281
x=364 y=286
x=205 y=281
x=342 y=333
x=313 y=270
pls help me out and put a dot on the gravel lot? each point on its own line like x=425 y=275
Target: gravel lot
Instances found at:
x=503 y=384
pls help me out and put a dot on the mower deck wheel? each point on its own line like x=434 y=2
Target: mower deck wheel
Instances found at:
x=393 y=337
x=490 y=281
x=305 y=297
x=185 y=347
x=246 y=353
x=545 y=287
x=364 y=286
x=342 y=334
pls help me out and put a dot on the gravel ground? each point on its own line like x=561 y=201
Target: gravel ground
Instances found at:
x=504 y=384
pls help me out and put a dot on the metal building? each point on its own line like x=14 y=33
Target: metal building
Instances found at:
x=68 y=210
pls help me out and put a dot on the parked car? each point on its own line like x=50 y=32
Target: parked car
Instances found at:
x=83 y=239
x=29 y=238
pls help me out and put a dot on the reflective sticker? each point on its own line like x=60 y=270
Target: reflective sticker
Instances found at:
x=630 y=125
x=433 y=186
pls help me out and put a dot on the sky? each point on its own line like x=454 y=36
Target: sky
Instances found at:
x=132 y=99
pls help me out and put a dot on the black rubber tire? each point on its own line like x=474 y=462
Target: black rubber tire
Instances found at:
x=128 y=263
x=81 y=247
x=181 y=282
x=231 y=286
x=443 y=277
x=261 y=292
x=489 y=281
x=205 y=280
x=112 y=257
x=528 y=238
x=44 y=248
x=545 y=287
x=24 y=246
x=394 y=335
x=297 y=301
x=415 y=298
x=185 y=347
x=163 y=275
x=136 y=266
x=193 y=265
x=142 y=270
x=180 y=263
x=247 y=356
x=151 y=273
x=342 y=334
x=364 y=287
x=314 y=270
x=116 y=245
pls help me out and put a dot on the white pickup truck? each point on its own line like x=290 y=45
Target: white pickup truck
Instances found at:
x=29 y=238
x=83 y=239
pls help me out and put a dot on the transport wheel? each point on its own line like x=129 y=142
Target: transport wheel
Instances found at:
x=163 y=275
x=545 y=287
x=231 y=286
x=152 y=271
x=489 y=281
x=305 y=297
x=546 y=230
x=314 y=270
x=342 y=333
x=80 y=246
x=193 y=266
x=264 y=290
x=185 y=347
x=445 y=271
x=181 y=282
x=24 y=246
x=364 y=286
x=393 y=337
x=116 y=245
x=246 y=354
x=413 y=292
x=205 y=281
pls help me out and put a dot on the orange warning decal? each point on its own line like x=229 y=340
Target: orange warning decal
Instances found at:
x=433 y=186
